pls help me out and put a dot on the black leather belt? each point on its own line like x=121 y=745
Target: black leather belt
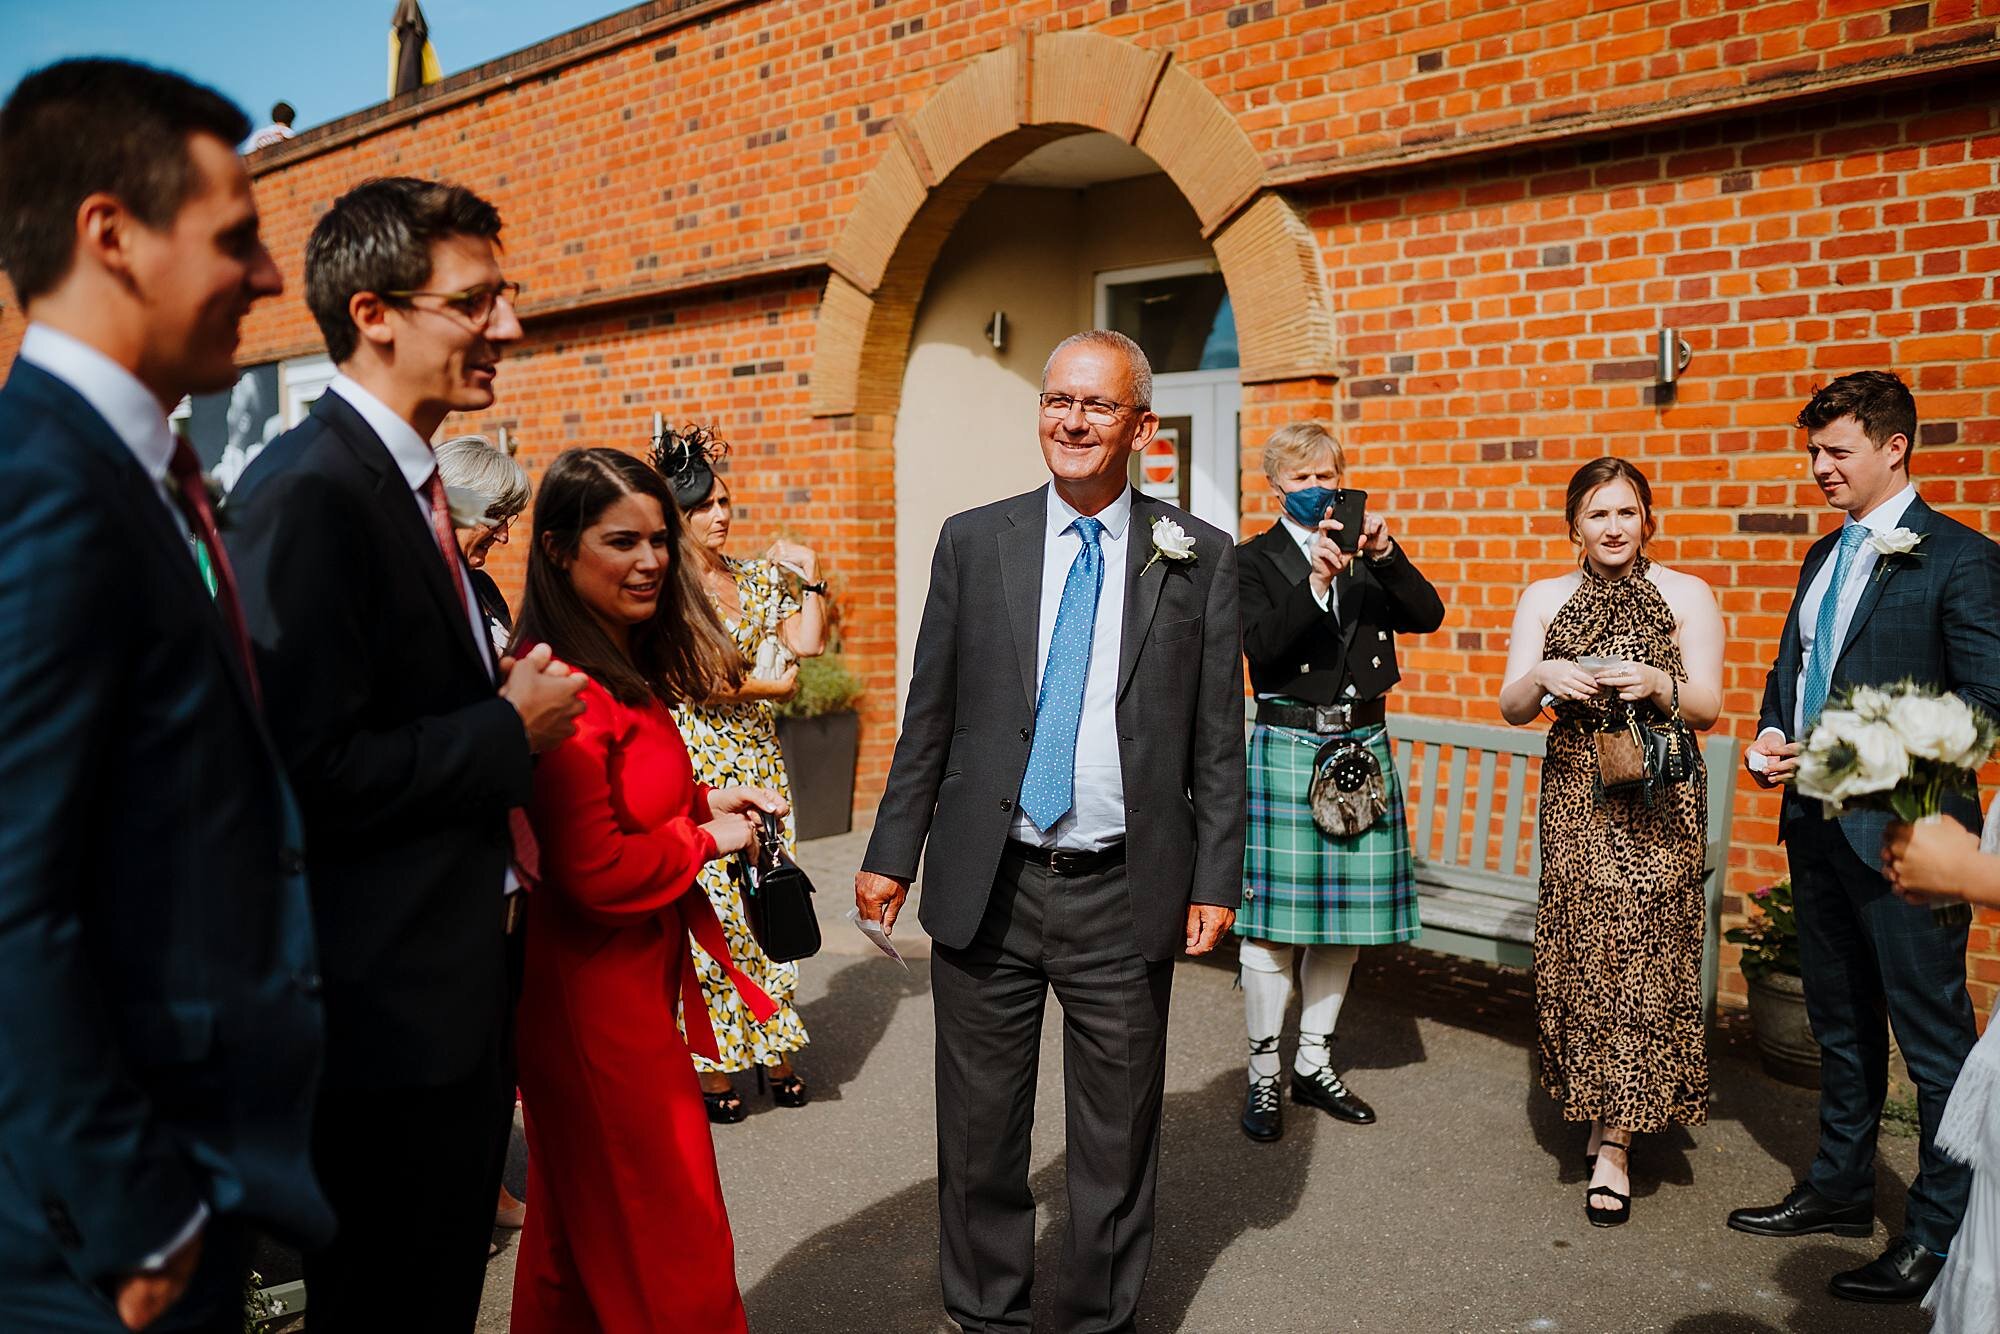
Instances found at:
x=1325 y=719
x=1067 y=862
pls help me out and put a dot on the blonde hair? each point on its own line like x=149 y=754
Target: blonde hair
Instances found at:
x=1291 y=446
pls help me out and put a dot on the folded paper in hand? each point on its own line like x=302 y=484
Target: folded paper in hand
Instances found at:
x=873 y=930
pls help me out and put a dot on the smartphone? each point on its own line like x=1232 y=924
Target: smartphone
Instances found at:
x=1350 y=508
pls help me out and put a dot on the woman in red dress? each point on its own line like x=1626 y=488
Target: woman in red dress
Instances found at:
x=627 y=1230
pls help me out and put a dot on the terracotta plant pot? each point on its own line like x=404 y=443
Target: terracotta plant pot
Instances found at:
x=1785 y=1041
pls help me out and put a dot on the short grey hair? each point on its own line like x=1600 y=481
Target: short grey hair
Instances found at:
x=476 y=468
x=1135 y=358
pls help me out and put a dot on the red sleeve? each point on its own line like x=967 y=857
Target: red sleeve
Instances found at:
x=614 y=876
x=702 y=814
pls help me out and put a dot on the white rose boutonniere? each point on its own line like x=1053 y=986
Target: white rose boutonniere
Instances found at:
x=1170 y=542
x=1895 y=542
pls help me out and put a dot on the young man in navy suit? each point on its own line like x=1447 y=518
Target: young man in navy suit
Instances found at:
x=410 y=744
x=159 y=999
x=1898 y=592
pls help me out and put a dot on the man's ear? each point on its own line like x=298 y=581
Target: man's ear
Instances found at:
x=370 y=314
x=1900 y=444
x=105 y=231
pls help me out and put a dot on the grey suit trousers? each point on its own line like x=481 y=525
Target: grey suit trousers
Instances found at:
x=1076 y=935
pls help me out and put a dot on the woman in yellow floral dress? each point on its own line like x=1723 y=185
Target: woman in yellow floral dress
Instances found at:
x=733 y=739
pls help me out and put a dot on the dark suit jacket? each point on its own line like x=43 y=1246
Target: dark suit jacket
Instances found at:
x=971 y=715
x=159 y=1018
x=405 y=760
x=1294 y=647
x=1932 y=617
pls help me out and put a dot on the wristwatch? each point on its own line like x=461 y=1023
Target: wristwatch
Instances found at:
x=819 y=588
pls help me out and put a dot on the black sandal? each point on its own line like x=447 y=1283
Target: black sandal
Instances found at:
x=724 y=1108
x=787 y=1092
x=1610 y=1217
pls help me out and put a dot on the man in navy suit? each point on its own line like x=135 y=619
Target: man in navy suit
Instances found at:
x=1898 y=592
x=410 y=744
x=159 y=1000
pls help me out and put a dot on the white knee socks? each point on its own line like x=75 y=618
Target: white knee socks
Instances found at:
x=1267 y=989
x=1323 y=979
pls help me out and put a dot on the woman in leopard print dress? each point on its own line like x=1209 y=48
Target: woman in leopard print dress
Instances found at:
x=1618 y=923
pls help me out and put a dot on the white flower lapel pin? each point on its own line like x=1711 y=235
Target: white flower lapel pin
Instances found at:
x=1895 y=542
x=1170 y=542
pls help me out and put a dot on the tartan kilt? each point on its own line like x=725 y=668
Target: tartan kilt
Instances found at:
x=1302 y=886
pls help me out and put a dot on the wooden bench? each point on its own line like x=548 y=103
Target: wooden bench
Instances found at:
x=1476 y=882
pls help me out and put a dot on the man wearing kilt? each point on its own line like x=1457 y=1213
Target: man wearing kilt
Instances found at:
x=1319 y=627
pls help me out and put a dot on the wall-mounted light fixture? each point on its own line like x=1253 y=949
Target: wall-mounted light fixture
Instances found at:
x=996 y=331
x=1674 y=355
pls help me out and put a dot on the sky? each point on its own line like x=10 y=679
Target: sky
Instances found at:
x=326 y=58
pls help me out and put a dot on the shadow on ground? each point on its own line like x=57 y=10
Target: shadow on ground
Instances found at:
x=1213 y=1190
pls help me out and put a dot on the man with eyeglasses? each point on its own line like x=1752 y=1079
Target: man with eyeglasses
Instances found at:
x=409 y=741
x=1071 y=768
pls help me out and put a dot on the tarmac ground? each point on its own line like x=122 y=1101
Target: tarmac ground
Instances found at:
x=1461 y=1210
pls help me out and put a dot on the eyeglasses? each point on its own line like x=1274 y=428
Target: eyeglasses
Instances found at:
x=476 y=304
x=1097 y=411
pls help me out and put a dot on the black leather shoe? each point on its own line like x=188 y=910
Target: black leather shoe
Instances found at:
x=1263 y=1114
x=1323 y=1089
x=1805 y=1211
x=1903 y=1273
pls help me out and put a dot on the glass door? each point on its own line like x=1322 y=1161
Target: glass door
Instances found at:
x=1180 y=314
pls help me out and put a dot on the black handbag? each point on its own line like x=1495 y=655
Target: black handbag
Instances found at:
x=777 y=898
x=1633 y=757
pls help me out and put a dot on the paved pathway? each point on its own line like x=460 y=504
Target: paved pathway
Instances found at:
x=1462 y=1211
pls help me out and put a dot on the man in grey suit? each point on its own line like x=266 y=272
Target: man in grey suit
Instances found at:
x=1073 y=750
x=1873 y=609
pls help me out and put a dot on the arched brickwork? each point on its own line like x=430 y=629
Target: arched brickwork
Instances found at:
x=1001 y=107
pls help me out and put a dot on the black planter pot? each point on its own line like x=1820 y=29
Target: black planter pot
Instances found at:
x=820 y=755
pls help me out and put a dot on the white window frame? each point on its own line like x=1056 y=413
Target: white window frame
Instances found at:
x=301 y=381
x=1109 y=278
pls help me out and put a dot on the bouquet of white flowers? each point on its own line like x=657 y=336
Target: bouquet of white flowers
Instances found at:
x=1898 y=748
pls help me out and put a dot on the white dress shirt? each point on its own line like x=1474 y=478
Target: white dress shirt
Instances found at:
x=416 y=461
x=1096 y=818
x=135 y=417
x=1889 y=514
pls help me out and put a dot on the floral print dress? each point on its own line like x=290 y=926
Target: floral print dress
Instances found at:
x=737 y=745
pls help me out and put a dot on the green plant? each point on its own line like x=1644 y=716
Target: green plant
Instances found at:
x=825 y=686
x=259 y=1308
x=1770 y=939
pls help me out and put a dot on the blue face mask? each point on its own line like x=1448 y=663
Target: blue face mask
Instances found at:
x=1309 y=506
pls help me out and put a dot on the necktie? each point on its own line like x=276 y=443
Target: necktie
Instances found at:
x=527 y=853
x=1049 y=789
x=1819 y=667
x=190 y=495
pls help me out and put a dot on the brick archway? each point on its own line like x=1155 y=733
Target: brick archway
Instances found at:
x=1000 y=108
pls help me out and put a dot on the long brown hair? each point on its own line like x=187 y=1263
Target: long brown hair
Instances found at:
x=679 y=653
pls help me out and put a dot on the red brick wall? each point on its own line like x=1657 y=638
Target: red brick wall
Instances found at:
x=1508 y=197
x=1499 y=319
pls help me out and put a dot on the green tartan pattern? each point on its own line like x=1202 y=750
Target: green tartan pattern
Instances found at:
x=1303 y=887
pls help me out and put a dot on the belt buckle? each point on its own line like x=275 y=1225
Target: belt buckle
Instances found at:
x=1066 y=861
x=1333 y=717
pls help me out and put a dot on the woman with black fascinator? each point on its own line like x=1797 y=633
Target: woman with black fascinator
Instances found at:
x=732 y=737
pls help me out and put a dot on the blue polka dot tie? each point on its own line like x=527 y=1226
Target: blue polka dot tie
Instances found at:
x=1049 y=789
x=1819 y=667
